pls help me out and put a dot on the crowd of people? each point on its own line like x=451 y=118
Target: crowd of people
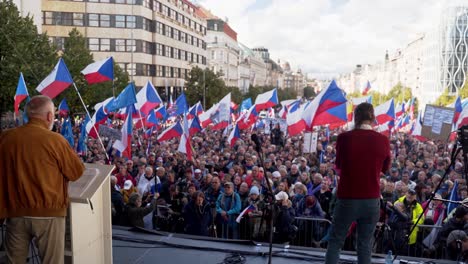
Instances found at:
x=159 y=188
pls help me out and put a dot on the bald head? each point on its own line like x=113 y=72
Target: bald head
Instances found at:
x=41 y=107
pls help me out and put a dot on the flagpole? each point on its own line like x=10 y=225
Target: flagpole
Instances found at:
x=87 y=112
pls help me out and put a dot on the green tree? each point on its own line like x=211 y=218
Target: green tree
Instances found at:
x=77 y=56
x=399 y=94
x=22 y=49
x=236 y=94
x=309 y=92
x=445 y=99
x=215 y=87
x=286 y=94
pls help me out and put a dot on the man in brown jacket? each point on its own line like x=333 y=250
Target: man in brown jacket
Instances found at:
x=36 y=166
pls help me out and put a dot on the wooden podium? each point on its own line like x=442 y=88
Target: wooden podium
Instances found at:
x=88 y=230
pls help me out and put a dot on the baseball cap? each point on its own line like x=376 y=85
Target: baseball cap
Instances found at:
x=281 y=196
x=152 y=154
x=394 y=169
x=197 y=171
x=276 y=174
x=128 y=184
x=230 y=184
x=254 y=190
x=411 y=191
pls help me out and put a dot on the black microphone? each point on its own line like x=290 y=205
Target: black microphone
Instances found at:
x=256 y=140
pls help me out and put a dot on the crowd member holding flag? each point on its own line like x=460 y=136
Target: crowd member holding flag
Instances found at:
x=361 y=155
x=42 y=163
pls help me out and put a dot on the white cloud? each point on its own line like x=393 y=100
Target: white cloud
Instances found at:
x=328 y=35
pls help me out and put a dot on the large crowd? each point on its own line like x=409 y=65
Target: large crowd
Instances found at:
x=158 y=188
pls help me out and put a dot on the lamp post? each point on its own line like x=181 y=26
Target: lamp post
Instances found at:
x=204 y=91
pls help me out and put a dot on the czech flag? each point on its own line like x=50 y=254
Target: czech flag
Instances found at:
x=124 y=145
x=126 y=98
x=417 y=128
x=63 y=108
x=247 y=210
x=247 y=119
x=462 y=119
x=205 y=117
x=194 y=126
x=234 y=136
x=367 y=88
x=195 y=110
x=171 y=132
x=294 y=106
x=385 y=112
x=21 y=92
x=184 y=144
x=458 y=109
x=99 y=117
x=151 y=119
x=266 y=100
x=99 y=71
x=147 y=98
x=386 y=128
x=283 y=112
x=295 y=122
x=328 y=107
x=400 y=110
x=57 y=81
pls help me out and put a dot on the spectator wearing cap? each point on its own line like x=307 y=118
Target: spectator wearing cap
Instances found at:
x=276 y=177
x=400 y=224
x=255 y=216
x=413 y=208
x=284 y=230
x=228 y=207
x=197 y=215
x=303 y=167
x=435 y=211
x=127 y=190
x=269 y=165
x=457 y=222
x=394 y=175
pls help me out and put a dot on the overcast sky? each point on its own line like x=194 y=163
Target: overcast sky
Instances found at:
x=328 y=36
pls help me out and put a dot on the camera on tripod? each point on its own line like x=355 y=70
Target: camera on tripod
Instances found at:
x=463 y=138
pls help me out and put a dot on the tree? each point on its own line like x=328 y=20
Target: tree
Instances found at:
x=445 y=99
x=77 y=56
x=286 y=94
x=214 y=85
x=22 y=49
x=399 y=94
x=309 y=92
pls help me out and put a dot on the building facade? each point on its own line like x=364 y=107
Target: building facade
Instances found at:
x=151 y=40
x=223 y=50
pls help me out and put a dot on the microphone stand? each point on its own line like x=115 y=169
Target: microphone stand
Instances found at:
x=270 y=199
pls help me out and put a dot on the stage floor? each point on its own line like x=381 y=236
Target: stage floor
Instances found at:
x=158 y=247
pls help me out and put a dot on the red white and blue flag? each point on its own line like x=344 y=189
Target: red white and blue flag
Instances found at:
x=328 y=107
x=184 y=144
x=458 y=110
x=222 y=116
x=99 y=71
x=57 y=81
x=234 y=136
x=171 y=132
x=21 y=92
x=400 y=110
x=147 y=98
x=248 y=118
x=195 y=110
x=161 y=112
x=99 y=117
x=124 y=145
x=266 y=100
x=247 y=210
x=367 y=88
x=385 y=112
x=63 y=108
x=194 y=126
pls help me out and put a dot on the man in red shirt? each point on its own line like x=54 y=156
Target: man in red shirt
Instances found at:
x=361 y=155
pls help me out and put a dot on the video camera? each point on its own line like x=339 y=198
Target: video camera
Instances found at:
x=463 y=138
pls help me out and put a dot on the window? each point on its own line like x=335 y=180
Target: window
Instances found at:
x=189 y=56
x=168 y=31
x=77 y=19
x=213 y=55
x=159 y=28
x=165 y=10
x=131 y=45
x=105 y=20
x=198 y=58
x=48 y=18
x=93 y=20
x=180 y=18
x=173 y=14
x=119 y=21
x=105 y=44
x=176 y=53
x=59 y=43
x=165 y=71
x=93 y=44
x=159 y=71
x=183 y=55
x=131 y=69
x=171 y=72
x=120 y=1
x=168 y=71
x=191 y=40
x=168 y=52
x=175 y=34
x=131 y=22
x=120 y=45
x=215 y=26
x=182 y=36
x=159 y=49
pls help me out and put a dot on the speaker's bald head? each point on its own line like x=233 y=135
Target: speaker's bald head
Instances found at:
x=41 y=107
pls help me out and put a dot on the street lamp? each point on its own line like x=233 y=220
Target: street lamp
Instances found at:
x=190 y=64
